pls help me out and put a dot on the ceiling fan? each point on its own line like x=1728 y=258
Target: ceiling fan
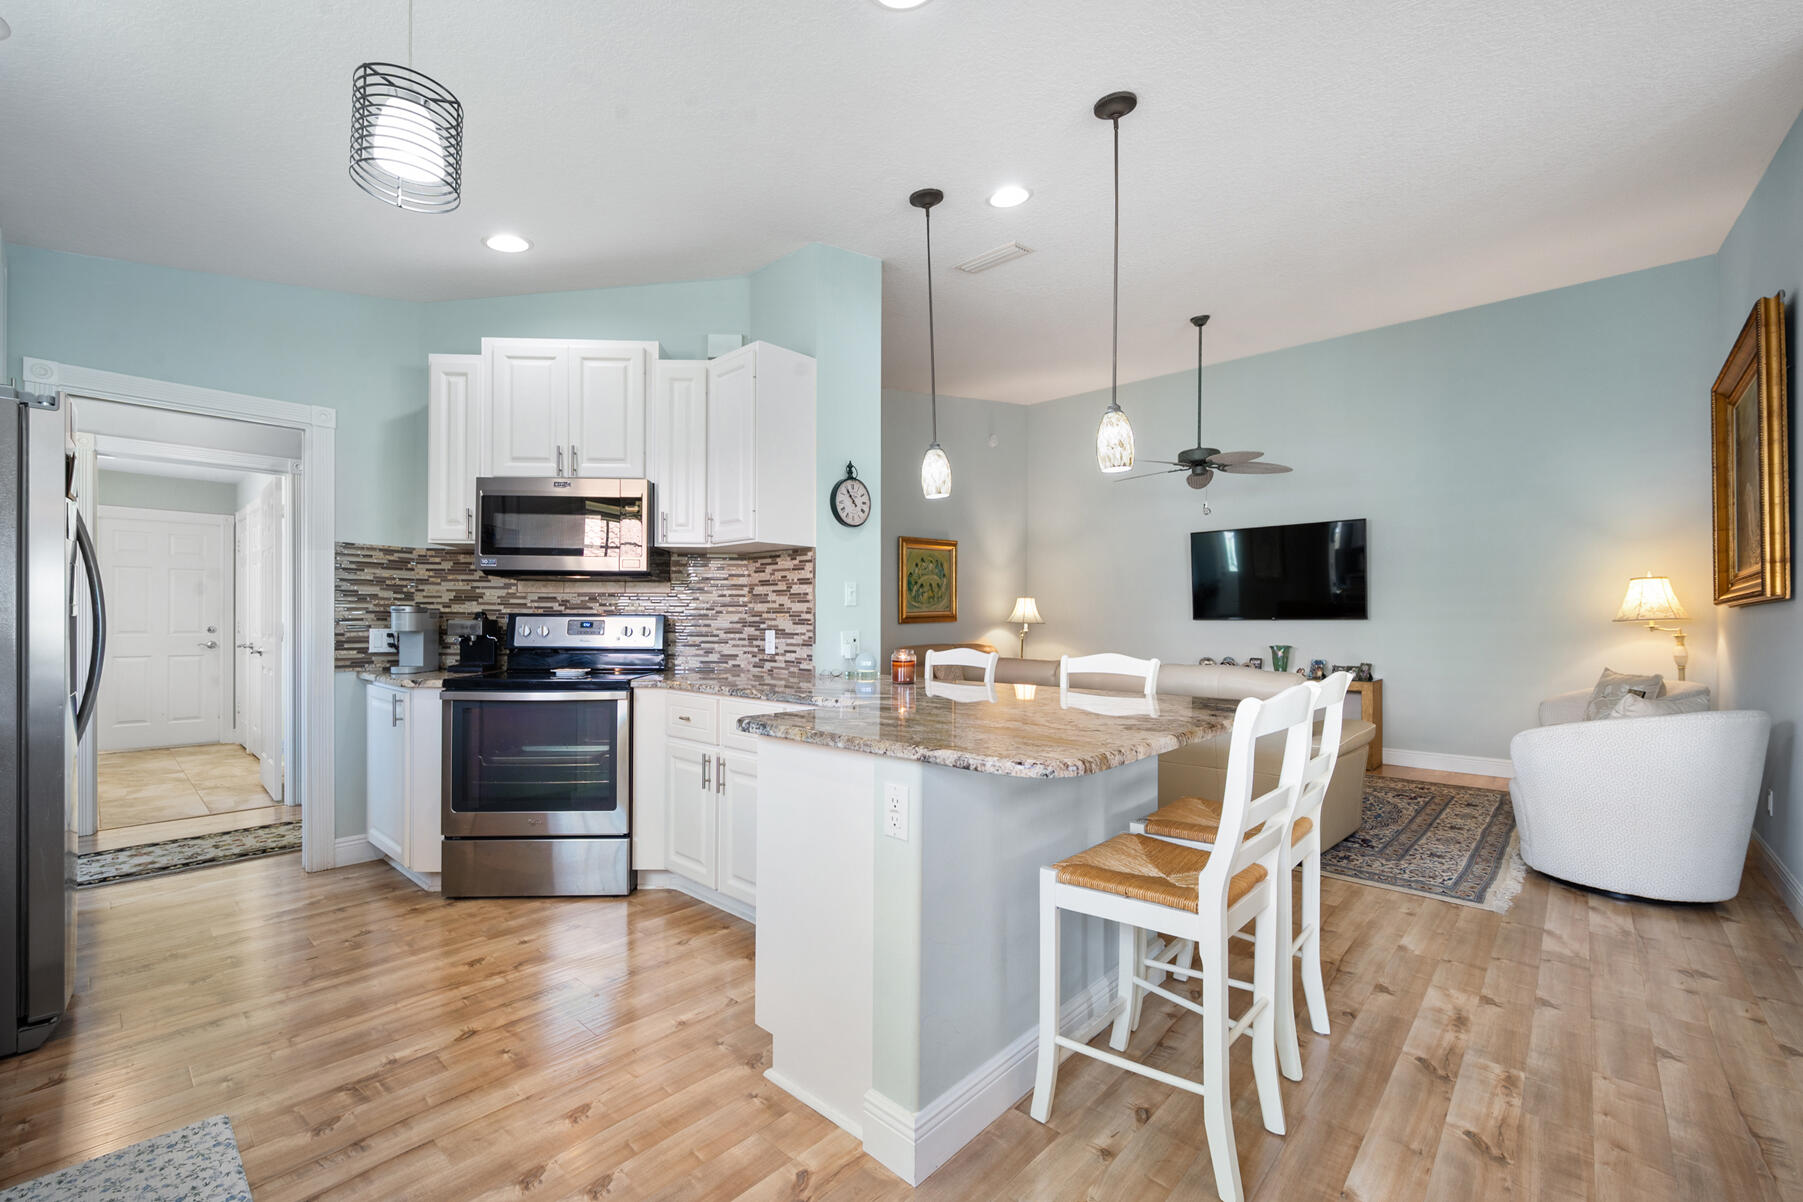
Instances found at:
x=1203 y=462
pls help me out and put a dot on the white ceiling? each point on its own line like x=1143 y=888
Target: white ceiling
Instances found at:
x=1299 y=169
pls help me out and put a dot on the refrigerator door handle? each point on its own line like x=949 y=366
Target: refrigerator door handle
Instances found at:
x=84 y=712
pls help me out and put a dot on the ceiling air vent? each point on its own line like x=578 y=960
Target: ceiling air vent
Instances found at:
x=995 y=258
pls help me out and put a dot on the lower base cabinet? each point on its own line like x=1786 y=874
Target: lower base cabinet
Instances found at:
x=404 y=738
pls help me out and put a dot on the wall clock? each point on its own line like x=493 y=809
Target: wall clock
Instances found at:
x=851 y=500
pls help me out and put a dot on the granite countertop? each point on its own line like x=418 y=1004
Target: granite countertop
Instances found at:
x=412 y=680
x=787 y=688
x=1010 y=731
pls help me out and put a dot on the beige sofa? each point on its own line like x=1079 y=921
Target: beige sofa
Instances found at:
x=1200 y=769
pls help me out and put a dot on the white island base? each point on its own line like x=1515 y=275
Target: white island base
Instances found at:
x=898 y=977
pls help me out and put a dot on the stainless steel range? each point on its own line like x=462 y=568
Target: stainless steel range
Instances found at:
x=538 y=759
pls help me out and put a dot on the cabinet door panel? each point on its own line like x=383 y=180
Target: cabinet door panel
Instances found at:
x=739 y=827
x=732 y=448
x=453 y=460
x=385 y=770
x=676 y=436
x=528 y=403
x=425 y=775
x=607 y=409
x=693 y=834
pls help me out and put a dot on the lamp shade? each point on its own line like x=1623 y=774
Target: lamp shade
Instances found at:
x=1026 y=610
x=1114 y=441
x=1650 y=599
x=406 y=138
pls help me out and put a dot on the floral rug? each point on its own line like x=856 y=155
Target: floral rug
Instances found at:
x=1446 y=841
x=199 y=1163
x=194 y=851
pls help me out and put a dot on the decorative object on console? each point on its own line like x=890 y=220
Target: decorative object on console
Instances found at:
x=935 y=468
x=1612 y=686
x=926 y=580
x=1114 y=437
x=851 y=499
x=1317 y=669
x=1750 y=454
x=1349 y=669
x=1227 y=661
x=1255 y=661
x=1363 y=673
x=1206 y=660
x=1203 y=462
x=406 y=135
x=1650 y=599
x=1026 y=612
x=1280 y=657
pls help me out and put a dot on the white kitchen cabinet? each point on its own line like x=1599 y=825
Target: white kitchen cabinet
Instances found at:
x=566 y=408
x=676 y=438
x=453 y=446
x=402 y=773
x=695 y=795
x=740 y=476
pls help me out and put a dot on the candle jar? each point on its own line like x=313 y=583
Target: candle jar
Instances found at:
x=901 y=667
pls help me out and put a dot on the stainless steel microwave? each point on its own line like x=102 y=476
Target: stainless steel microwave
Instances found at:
x=563 y=526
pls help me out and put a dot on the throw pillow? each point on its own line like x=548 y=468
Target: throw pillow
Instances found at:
x=1636 y=706
x=1611 y=687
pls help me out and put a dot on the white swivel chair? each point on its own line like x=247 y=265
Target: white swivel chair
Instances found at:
x=1145 y=884
x=1107 y=663
x=962 y=657
x=1195 y=822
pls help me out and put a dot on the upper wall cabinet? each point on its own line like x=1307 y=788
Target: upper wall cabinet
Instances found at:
x=453 y=446
x=560 y=408
x=730 y=447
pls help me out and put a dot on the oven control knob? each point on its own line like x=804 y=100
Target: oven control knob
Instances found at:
x=544 y=632
x=525 y=626
x=645 y=631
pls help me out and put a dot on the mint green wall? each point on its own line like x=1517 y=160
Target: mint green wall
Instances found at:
x=166 y=492
x=828 y=303
x=1517 y=462
x=677 y=316
x=1762 y=645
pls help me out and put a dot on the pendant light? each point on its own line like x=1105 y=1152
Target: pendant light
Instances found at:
x=406 y=135
x=1114 y=437
x=935 y=468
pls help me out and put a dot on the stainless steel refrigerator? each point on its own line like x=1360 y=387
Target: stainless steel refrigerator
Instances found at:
x=46 y=562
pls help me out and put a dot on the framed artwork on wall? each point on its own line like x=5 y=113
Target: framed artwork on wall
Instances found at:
x=926 y=580
x=1749 y=422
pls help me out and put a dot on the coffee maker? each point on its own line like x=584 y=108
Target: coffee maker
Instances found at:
x=413 y=636
x=478 y=643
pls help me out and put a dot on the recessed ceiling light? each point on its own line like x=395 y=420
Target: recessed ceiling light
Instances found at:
x=1009 y=195
x=901 y=4
x=507 y=244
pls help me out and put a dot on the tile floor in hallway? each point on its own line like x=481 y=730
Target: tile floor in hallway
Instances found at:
x=171 y=792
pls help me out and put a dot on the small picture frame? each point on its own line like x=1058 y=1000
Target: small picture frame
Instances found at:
x=1363 y=673
x=1255 y=661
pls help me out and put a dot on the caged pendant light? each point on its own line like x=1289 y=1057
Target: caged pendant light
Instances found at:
x=1114 y=437
x=406 y=135
x=935 y=468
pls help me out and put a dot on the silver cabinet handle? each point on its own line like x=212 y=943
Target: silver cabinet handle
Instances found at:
x=720 y=773
x=705 y=783
x=210 y=644
x=394 y=710
x=560 y=460
x=574 y=459
x=663 y=527
x=469 y=522
x=710 y=526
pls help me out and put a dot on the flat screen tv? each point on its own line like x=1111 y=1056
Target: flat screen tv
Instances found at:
x=1307 y=570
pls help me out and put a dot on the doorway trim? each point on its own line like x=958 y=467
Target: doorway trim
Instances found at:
x=311 y=649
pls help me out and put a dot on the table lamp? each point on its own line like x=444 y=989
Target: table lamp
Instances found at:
x=1650 y=599
x=1026 y=612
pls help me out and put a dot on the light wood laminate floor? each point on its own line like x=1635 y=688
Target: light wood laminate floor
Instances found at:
x=369 y=1040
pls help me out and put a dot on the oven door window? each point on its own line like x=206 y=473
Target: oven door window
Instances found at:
x=538 y=757
x=563 y=526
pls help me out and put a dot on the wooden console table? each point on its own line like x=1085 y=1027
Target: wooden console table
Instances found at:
x=1371 y=709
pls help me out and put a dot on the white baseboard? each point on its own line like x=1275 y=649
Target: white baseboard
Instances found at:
x=1789 y=887
x=659 y=879
x=913 y=1144
x=353 y=849
x=1440 y=761
x=846 y=1122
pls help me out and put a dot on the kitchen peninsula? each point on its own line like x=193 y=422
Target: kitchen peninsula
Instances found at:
x=898 y=846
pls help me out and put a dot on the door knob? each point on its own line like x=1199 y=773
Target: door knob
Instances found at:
x=210 y=644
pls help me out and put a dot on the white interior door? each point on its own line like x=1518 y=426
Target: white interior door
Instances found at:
x=270 y=641
x=167 y=583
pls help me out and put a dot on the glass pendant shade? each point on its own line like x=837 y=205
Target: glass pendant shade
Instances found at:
x=1114 y=441
x=406 y=138
x=935 y=474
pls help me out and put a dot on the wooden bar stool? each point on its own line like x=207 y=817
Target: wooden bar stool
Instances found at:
x=1195 y=822
x=1146 y=884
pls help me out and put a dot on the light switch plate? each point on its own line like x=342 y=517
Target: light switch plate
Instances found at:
x=770 y=642
x=851 y=592
x=378 y=639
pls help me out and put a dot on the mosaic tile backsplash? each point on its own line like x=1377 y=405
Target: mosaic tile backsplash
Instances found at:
x=717 y=606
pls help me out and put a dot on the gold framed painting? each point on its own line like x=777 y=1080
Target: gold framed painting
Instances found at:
x=1749 y=426
x=926 y=580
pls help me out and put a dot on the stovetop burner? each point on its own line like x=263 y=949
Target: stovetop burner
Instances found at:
x=580 y=651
